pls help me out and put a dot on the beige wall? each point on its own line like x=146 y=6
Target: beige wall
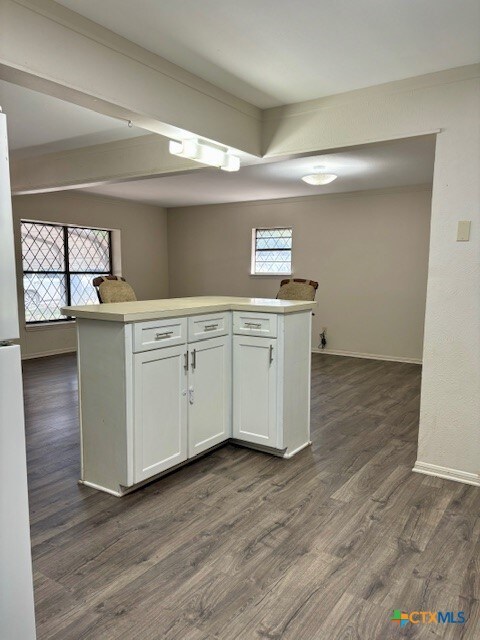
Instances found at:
x=143 y=233
x=368 y=251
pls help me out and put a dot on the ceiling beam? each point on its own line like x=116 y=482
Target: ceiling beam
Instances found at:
x=142 y=157
x=48 y=48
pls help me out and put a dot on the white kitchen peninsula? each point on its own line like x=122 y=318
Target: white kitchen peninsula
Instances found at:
x=162 y=381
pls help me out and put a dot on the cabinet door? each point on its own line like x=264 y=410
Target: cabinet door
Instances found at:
x=160 y=439
x=255 y=390
x=209 y=412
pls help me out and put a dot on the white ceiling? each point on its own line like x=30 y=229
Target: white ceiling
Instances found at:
x=390 y=164
x=39 y=124
x=272 y=52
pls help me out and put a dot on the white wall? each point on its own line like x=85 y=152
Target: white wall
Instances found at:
x=449 y=101
x=17 y=618
x=107 y=73
x=367 y=250
x=143 y=232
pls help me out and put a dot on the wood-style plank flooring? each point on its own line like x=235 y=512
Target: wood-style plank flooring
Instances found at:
x=243 y=545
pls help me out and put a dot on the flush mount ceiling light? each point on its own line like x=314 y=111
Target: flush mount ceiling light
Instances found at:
x=319 y=177
x=204 y=153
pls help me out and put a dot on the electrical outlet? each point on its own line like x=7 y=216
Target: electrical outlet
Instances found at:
x=323 y=338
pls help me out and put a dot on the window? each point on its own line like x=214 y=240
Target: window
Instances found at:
x=272 y=251
x=59 y=264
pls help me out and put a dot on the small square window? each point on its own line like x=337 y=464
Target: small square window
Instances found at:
x=272 y=251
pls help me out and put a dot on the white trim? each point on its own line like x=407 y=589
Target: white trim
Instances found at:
x=367 y=356
x=257 y=447
x=253 y=255
x=292 y=453
x=447 y=473
x=79 y=391
x=92 y=485
x=44 y=354
x=158 y=476
x=66 y=224
x=270 y=275
x=117 y=44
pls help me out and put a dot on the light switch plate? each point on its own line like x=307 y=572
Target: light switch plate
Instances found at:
x=463 y=231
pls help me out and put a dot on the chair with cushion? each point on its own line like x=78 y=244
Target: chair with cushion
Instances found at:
x=297 y=289
x=113 y=289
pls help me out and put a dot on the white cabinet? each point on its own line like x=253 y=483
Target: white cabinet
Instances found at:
x=159 y=333
x=209 y=383
x=156 y=393
x=210 y=325
x=160 y=411
x=182 y=403
x=255 y=372
x=262 y=325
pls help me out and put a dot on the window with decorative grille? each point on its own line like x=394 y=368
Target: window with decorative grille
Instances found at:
x=59 y=264
x=272 y=251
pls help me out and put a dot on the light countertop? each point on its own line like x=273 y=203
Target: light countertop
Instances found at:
x=173 y=307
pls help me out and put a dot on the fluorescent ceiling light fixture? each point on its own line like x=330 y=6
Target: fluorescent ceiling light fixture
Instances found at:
x=204 y=153
x=319 y=178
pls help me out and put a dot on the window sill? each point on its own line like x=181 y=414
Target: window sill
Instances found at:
x=48 y=325
x=271 y=275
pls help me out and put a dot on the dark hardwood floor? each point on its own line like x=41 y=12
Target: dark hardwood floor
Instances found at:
x=242 y=545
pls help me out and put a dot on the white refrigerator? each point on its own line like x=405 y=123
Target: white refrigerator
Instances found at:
x=17 y=620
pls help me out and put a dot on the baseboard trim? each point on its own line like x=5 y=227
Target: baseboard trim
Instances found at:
x=447 y=473
x=367 y=356
x=44 y=354
x=258 y=447
x=300 y=448
x=92 y=485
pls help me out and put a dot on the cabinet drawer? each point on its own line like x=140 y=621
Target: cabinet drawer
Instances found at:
x=255 y=324
x=209 y=325
x=159 y=333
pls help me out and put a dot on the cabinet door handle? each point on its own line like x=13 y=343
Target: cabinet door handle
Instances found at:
x=185 y=366
x=165 y=334
x=191 y=398
x=271 y=353
x=253 y=325
x=194 y=359
x=211 y=327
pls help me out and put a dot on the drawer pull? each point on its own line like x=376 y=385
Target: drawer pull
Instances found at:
x=253 y=325
x=165 y=334
x=211 y=327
